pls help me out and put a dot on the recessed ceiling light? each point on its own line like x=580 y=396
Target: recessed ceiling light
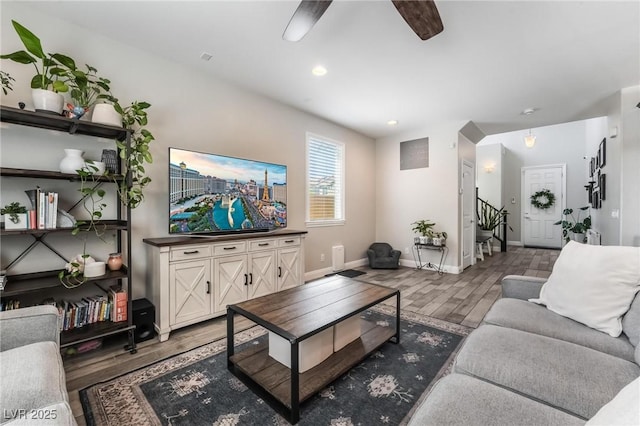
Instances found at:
x=529 y=111
x=392 y=122
x=319 y=71
x=206 y=56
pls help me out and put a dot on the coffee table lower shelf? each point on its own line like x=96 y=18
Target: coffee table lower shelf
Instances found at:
x=255 y=366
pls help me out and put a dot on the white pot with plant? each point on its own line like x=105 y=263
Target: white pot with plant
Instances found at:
x=489 y=218
x=15 y=216
x=572 y=227
x=423 y=227
x=85 y=90
x=46 y=84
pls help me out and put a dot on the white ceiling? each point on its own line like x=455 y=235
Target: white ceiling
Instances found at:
x=493 y=60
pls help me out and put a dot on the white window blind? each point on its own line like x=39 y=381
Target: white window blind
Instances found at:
x=325 y=181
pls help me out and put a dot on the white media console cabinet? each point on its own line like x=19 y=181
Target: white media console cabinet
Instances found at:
x=194 y=278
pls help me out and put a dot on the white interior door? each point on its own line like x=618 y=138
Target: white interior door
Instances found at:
x=468 y=216
x=537 y=224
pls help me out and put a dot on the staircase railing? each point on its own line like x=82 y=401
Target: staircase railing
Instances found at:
x=500 y=232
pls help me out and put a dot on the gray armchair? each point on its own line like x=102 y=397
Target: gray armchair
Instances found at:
x=383 y=256
x=31 y=369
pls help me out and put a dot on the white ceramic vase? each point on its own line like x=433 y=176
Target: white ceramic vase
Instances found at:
x=47 y=101
x=106 y=114
x=72 y=161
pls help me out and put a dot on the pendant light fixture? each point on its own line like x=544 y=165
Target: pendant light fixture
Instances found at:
x=529 y=140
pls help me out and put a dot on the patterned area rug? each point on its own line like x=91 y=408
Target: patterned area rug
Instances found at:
x=195 y=388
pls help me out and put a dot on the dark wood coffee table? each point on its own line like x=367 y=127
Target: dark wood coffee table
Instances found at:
x=295 y=315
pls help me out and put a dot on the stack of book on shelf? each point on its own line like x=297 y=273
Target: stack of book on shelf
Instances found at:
x=118 y=299
x=77 y=314
x=7 y=305
x=44 y=214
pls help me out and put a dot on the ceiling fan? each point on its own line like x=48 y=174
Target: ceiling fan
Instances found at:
x=421 y=15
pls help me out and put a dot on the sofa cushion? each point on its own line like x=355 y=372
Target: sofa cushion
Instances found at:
x=458 y=399
x=571 y=377
x=32 y=377
x=631 y=322
x=624 y=409
x=594 y=285
x=527 y=316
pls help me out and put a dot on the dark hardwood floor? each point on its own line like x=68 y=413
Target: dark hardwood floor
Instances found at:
x=463 y=299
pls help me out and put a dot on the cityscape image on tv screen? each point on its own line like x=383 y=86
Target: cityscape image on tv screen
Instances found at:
x=211 y=193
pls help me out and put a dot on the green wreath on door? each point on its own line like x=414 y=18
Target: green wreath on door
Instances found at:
x=543 y=199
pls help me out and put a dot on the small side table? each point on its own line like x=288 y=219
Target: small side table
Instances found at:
x=418 y=247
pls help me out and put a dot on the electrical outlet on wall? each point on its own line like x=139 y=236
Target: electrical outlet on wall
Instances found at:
x=322 y=257
x=406 y=250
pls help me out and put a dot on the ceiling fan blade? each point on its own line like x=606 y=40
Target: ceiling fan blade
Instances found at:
x=304 y=18
x=421 y=15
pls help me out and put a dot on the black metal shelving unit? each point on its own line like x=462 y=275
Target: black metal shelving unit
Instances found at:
x=23 y=284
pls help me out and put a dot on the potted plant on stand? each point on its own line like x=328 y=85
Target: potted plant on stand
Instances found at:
x=572 y=227
x=489 y=219
x=46 y=84
x=439 y=238
x=423 y=227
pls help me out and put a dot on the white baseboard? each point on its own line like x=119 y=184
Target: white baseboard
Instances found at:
x=515 y=243
x=319 y=273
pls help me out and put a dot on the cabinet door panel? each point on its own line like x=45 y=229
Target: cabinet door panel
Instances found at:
x=289 y=268
x=190 y=292
x=262 y=270
x=230 y=277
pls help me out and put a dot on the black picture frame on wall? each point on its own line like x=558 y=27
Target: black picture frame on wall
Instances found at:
x=602 y=186
x=592 y=166
x=602 y=153
x=595 y=203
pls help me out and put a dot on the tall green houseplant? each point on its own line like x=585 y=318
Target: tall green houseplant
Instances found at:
x=47 y=65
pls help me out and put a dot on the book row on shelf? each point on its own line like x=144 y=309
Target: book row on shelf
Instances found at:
x=88 y=310
x=44 y=215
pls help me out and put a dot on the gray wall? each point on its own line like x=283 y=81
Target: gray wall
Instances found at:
x=193 y=110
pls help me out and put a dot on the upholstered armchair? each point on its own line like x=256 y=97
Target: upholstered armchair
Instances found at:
x=383 y=256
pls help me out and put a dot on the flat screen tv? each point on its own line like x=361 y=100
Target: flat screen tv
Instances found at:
x=211 y=194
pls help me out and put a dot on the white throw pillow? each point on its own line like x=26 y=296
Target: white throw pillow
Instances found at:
x=623 y=410
x=594 y=285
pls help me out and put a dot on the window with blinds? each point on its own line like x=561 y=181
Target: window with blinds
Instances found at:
x=325 y=181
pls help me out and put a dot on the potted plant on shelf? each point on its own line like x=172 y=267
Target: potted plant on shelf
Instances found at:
x=573 y=227
x=7 y=82
x=439 y=238
x=85 y=89
x=423 y=227
x=15 y=216
x=47 y=83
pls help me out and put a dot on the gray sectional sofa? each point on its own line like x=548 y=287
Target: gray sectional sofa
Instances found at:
x=32 y=379
x=526 y=365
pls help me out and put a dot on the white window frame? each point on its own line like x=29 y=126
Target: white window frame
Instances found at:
x=325 y=222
